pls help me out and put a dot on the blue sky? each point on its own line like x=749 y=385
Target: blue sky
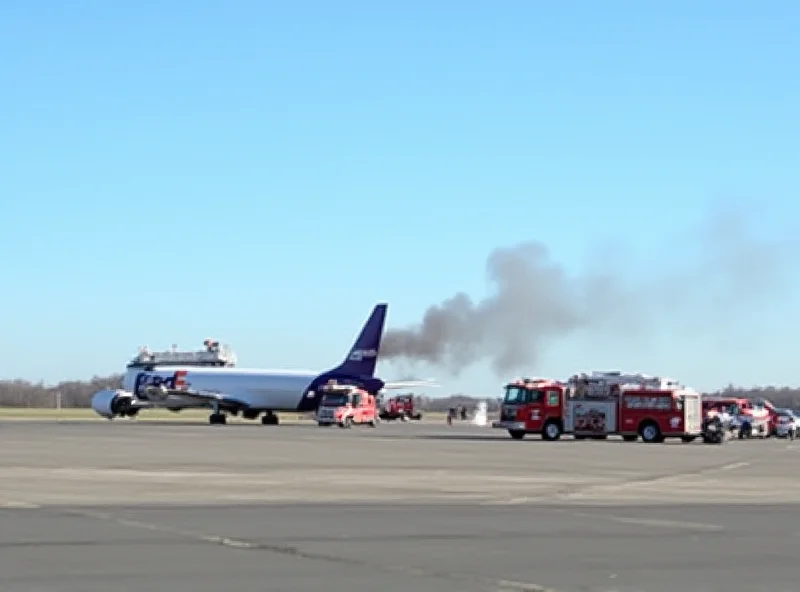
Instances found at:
x=265 y=172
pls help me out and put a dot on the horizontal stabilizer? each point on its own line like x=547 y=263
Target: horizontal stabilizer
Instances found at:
x=406 y=384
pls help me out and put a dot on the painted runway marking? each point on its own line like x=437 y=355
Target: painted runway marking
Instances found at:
x=650 y=522
x=609 y=517
x=16 y=504
x=732 y=466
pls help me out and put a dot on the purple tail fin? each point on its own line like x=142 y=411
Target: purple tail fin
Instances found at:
x=363 y=356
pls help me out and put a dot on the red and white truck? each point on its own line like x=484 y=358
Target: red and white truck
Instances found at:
x=748 y=419
x=599 y=404
x=345 y=405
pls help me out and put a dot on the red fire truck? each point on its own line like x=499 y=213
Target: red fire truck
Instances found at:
x=599 y=404
x=402 y=407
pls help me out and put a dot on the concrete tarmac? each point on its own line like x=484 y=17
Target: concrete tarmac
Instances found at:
x=129 y=506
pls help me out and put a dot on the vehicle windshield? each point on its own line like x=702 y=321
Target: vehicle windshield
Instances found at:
x=519 y=394
x=335 y=399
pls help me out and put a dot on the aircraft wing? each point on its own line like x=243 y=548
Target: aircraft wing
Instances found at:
x=200 y=395
x=405 y=384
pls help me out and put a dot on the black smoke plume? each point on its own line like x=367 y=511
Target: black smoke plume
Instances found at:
x=535 y=301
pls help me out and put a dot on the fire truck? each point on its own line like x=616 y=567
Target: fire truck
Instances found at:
x=401 y=407
x=598 y=404
x=345 y=405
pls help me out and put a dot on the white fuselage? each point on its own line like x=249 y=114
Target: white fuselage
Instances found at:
x=276 y=390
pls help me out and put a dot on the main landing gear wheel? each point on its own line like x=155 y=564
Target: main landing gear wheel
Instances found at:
x=217 y=419
x=270 y=419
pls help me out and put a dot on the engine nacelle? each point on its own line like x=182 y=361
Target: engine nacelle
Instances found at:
x=111 y=403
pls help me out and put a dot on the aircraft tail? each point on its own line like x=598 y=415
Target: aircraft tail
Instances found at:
x=359 y=365
x=363 y=356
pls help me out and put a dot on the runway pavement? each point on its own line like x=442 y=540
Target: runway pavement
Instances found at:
x=130 y=506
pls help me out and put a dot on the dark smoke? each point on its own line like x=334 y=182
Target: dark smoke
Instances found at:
x=535 y=302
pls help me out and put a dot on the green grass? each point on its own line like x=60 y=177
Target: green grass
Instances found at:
x=191 y=415
x=188 y=415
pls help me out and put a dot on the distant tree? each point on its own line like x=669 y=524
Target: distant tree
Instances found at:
x=78 y=393
x=74 y=393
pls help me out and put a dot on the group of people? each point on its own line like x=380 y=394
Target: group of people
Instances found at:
x=455 y=412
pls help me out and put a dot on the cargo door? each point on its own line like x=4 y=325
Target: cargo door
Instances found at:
x=592 y=417
x=692 y=415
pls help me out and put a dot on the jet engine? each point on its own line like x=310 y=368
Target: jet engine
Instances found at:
x=110 y=403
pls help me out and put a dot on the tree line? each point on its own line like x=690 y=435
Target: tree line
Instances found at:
x=78 y=393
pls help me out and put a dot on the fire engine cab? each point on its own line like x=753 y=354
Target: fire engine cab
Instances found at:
x=345 y=405
x=599 y=404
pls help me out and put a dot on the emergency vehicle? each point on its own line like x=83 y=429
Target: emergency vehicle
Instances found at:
x=747 y=418
x=401 y=407
x=345 y=405
x=599 y=404
x=787 y=425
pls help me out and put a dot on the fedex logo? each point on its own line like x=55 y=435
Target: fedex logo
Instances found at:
x=175 y=381
x=358 y=355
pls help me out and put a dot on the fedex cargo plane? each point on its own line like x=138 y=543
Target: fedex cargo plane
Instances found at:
x=209 y=379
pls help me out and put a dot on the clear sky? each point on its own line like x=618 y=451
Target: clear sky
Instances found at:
x=264 y=172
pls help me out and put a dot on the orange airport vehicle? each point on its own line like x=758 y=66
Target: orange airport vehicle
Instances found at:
x=345 y=405
x=599 y=404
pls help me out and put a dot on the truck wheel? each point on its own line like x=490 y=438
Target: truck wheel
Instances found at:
x=373 y=423
x=551 y=431
x=347 y=423
x=517 y=434
x=650 y=433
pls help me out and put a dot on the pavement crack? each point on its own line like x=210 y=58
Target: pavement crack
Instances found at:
x=296 y=552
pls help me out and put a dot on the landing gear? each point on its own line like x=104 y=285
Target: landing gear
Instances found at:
x=217 y=419
x=270 y=418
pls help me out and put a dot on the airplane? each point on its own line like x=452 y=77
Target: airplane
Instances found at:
x=208 y=381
